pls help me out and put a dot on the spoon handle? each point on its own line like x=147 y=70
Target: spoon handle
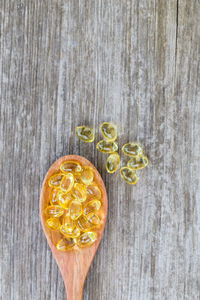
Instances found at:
x=74 y=292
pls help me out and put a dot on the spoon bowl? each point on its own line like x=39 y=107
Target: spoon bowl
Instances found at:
x=74 y=264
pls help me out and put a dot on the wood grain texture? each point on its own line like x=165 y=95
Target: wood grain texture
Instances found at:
x=64 y=63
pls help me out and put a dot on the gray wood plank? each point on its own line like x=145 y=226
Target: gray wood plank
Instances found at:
x=65 y=63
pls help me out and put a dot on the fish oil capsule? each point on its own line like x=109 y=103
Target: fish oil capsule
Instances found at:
x=87 y=239
x=55 y=180
x=66 y=244
x=54 y=211
x=128 y=175
x=54 y=197
x=70 y=166
x=75 y=208
x=109 y=131
x=87 y=175
x=67 y=182
x=53 y=223
x=93 y=191
x=112 y=162
x=70 y=233
x=132 y=149
x=107 y=146
x=79 y=192
x=93 y=219
x=68 y=223
x=85 y=133
x=63 y=200
x=138 y=163
x=91 y=206
x=83 y=223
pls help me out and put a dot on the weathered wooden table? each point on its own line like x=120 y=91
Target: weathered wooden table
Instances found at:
x=66 y=63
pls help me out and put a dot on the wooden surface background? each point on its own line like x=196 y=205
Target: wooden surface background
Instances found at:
x=64 y=63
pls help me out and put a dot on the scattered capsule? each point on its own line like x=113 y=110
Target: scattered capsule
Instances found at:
x=54 y=211
x=87 y=175
x=63 y=200
x=132 y=149
x=68 y=223
x=87 y=239
x=79 y=192
x=53 y=223
x=109 y=131
x=128 y=175
x=75 y=208
x=85 y=133
x=138 y=163
x=68 y=233
x=112 y=162
x=66 y=244
x=55 y=180
x=93 y=191
x=67 y=182
x=54 y=197
x=107 y=146
x=91 y=206
x=93 y=219
x=70 y=166
x=83 y=223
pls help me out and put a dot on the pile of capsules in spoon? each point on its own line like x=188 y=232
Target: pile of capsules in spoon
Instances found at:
x=74 y=212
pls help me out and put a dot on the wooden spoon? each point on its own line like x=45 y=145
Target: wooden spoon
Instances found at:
x=74 y=265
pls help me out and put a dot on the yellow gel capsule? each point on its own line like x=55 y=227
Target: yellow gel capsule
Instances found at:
x=109 y=131
x=132 y=149
x=53 y=223
x=93 y=191
x=54 y=211
x=75 y=208
x=54 y=197
x=79 y=192
x=112 y=162
x=83 y=223
x=91 y=206
x=138 y=163
x=67 y=233
x=63 y=200
x=68 y=223
x=85 y=133
x=93 y=219
x=87 y=239
x=66 y=244
x=128 y=175
x=70 y=166
x=87 y=175
x=55 y=180
x=67 y=182
x=107 y=146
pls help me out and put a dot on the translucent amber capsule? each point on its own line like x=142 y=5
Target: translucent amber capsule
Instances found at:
x=85 y=133
x=54 y=211
x=93 y=191
x=54 y=197
x=66 y=244
x=55 y=180
x=87 y=175
x=83 y=223
x=132 y=149
x=70 y=166
x=137 y=163
x=93 y=219
x=68 y=223
x=107 y=146
x=128 y=175
x=70 y=233
x=91 y=206
x=75 y=208
x=67 y=182
x=112 y=162
x=53 y=223
x=63 y=200
x=87 y=239
x=79 y=192
x=109 y=131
